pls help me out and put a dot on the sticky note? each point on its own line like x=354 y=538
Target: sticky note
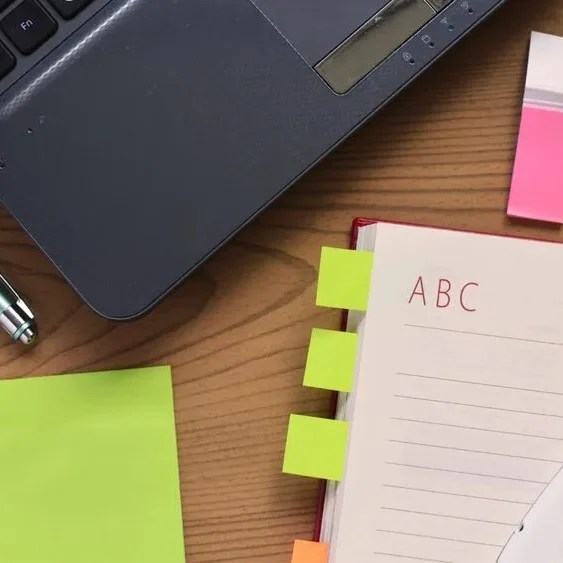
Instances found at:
x=344 y=279
x=536 y=190
x=309 y=552
x=316 y=447
x=89 y=469
x=331 y=360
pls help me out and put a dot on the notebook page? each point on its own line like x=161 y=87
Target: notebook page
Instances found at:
x=458 y=409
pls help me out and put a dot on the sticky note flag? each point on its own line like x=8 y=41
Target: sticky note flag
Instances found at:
x=344 y=279
x=536 y=190
x=89 y=469
x=316 y=447
x=331 y=360
x=309 y=552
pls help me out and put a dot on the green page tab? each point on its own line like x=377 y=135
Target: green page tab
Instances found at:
x=331 y=360
x=89 y=469
x=344 y=279
x=316 y=447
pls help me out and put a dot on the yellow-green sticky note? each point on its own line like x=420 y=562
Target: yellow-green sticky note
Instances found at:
x=344 y=279
x=316 y=447
x=89 y=469
x=331 y=360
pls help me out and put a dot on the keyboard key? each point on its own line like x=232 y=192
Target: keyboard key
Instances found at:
x=7 y=61
x=5 y=4
x=28 y=25
x=69 y=8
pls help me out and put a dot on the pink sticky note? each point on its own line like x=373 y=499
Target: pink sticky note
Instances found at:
x=537 y=182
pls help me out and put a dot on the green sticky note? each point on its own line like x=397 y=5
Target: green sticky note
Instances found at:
x=316 y=447
x=344 y=279
x=331 y=360
x=89 y=469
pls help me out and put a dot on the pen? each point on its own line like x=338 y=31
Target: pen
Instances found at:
x=16 y=318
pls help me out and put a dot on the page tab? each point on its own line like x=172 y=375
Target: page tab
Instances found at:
x=344 y=279
x=316 y=447
x=309 y=552
x=331 y=360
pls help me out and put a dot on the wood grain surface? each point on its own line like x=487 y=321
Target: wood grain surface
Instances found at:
x=236 y=333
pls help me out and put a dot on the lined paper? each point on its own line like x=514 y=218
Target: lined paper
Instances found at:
x=457 y=425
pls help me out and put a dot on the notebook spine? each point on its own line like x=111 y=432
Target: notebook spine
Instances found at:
x=330 y=365
x=316 y=447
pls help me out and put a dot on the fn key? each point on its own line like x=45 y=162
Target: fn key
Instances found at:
x=28 y=26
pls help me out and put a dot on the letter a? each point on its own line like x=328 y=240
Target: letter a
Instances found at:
x=418 y=290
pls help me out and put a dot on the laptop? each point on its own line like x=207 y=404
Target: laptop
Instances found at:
x=137 y=136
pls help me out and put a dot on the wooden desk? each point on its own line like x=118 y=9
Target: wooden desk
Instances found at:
x=236 y=333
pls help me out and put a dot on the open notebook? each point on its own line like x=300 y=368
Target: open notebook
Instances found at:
x=455 y=414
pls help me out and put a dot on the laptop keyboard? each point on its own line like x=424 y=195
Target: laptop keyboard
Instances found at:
x=28 y=24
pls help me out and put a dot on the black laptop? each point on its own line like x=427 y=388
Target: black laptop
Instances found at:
x=137 y=136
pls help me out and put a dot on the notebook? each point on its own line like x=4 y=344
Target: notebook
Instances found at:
x=89 y=469
x=452 y=408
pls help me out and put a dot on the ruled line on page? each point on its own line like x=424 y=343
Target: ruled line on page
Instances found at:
x=466 y=450
x=481 y=384
x=398 y=532
x=462 y=427
x=448 y=493
x=450 y=516
x=411 y=558
x=486 y=335
x=475 y=406
x=485 y=475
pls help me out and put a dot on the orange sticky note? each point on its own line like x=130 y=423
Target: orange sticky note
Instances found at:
x=309 y=552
